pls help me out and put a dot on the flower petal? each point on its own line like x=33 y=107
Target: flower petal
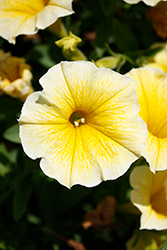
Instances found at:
x=52 y=12
x=79 y=81
x=141 y=181
x=38 y=110
x=56 y=89
x=112 y=159
x=20 y=17
x=150 y=197
x=115 y=113
x=148 y=2
x=152 y=220
x=151 y=89
x=155 y=152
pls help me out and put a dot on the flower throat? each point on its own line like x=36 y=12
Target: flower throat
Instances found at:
x=77 y=118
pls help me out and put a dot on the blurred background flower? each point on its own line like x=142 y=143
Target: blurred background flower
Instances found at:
x=149 y=195
x=15 y=76
x=151 y=89
x=27 y=17
x=143 y=240
x=148 y=2
x=159 y=60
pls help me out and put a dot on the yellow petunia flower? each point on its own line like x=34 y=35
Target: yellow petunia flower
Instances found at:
x=84 y=124
x=150 y=197
x=148 y=2
x=15 y=76
x=19 y=17
x=144 y=240
x=151 y=88
x=159 y=60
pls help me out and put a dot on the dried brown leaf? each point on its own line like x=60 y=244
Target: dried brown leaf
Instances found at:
x=102 y=215
x=158 y=15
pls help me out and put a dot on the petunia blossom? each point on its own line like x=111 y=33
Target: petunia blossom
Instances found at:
x=19 y=17
x=144 y=239
x=148 y=2
x=159 y=60
x=15 y=76
x=84 y=124
x=150 y=197
x=151 y=89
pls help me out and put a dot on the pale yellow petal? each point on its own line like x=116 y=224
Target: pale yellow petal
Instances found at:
x=132 y=1
x=57 y=90
x=112 y=159
x=148 y=2
x=149 y=197
x=38 y=110
x=158 y=182
x=152 y=2
x=151 y=88
x=156 y=65
x=117 y=118
x=10 y=27
x=52 y=12
x=26 y=17
x=155 y=152
x=153 y=220
x=78 y=76
x=141 y=180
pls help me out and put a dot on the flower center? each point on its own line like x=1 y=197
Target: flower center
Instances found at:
x=77 y=118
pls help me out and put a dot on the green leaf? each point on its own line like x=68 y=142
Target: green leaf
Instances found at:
x=9 y=112
x=3 y=246
x=164 y=246
x=12 y=134
x=102 y=37
x=4 y=165
x=4 y=160
x=21 y=197
x=27 y=245
x=124 y=37
x=45 y=59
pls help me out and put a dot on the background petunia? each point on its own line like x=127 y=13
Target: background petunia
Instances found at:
x=15 y=76
x=148 y=2
x=151 y=89
x=150 y=196
x=159 y=60
x=84 y=124
x=19 y=17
